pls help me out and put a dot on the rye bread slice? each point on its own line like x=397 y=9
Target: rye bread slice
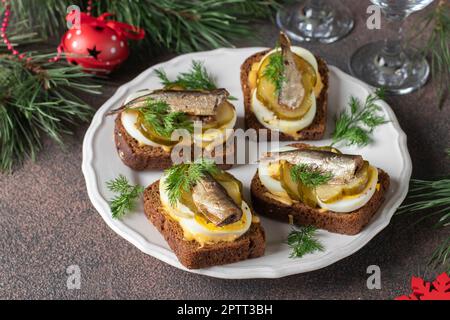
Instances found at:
x=300 y=214
x=190 y=253
x=143 y=157
x=317 y=128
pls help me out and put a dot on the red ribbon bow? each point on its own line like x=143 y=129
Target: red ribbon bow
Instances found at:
x=127 y=30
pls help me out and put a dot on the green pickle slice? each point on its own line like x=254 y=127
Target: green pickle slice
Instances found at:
x=266 y=91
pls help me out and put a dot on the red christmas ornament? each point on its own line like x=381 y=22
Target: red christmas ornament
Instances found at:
x=96 y=44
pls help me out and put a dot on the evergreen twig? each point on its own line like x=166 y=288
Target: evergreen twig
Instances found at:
x=37 y=97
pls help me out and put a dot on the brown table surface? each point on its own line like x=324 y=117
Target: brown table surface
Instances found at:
x=48 y=223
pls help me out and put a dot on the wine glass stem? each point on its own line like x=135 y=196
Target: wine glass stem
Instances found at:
x=392 y=52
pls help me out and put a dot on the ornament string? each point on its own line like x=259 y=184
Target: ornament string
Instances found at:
x=5 y=22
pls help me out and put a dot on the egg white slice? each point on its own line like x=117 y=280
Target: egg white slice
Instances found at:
x=186 y=219
x=271 y=184
x=196 y=229
x=352 y=203
x=270 y=120
x=129 y=120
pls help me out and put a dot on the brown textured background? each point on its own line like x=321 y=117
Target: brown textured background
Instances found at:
x=48 y=223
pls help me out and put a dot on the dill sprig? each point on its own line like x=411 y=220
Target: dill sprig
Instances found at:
x=432 y=196
x=436 y=48
x=158 y=115
x=309 y=176
x=302 y=241
x=182 y=177
x=274 y=70
x=356 y=126
x=197 y=78
x=125 y=201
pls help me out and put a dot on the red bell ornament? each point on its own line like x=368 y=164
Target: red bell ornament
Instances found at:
x=96 y=44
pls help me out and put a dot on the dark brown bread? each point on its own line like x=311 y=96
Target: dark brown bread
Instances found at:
x=315 y=131
x=300 y=214
x=142 y=157
x=190 y=253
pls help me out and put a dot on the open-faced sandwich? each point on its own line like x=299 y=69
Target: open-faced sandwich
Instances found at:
x=318 y=186
x=285 y=89
x=145 y=125
x=200 y=211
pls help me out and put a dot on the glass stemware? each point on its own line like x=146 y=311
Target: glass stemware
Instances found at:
x=388 y=63
x=315 y=20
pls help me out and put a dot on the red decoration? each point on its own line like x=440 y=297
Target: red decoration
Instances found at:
x=97 y=43
x=439 y=289
x=5 y=23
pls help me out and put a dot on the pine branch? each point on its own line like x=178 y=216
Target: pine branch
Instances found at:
x=177 y=25
x=436 y=47
x=36 y=98
x=432 y=196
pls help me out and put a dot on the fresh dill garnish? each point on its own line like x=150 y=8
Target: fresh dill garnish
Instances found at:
x=356 y=126
x=125 y=201
x=274 y=70
x=309 y=176
x=182 y=177
x=434 y=197
x=302 y=241
x=158 y=115
x=197 y=78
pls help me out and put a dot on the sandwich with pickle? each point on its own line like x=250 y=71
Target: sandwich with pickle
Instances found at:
x=201 y=212
x=146 y=123
x=318 y=186
x=285 y=90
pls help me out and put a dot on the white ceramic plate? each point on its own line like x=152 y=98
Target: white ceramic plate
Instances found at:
x=101 y=163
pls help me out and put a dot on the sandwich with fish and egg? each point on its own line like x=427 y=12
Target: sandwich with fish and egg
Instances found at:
x=285 y=90
x=146 y=122
x=305 y=185
x=201 y=212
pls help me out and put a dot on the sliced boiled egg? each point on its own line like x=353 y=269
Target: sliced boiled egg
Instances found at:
x=269 y=119
x=354 y=202
x=266 y=172
x=196 y=228
x=129 y=120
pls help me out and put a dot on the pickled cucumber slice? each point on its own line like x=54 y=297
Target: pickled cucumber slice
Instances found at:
x=231 y=185
x=360 y=181
x=149 y=132
x=186 y=199
x=225 y=113
x=266 y=90
x=296 y=190
x=329 y=193
x=287 y=182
